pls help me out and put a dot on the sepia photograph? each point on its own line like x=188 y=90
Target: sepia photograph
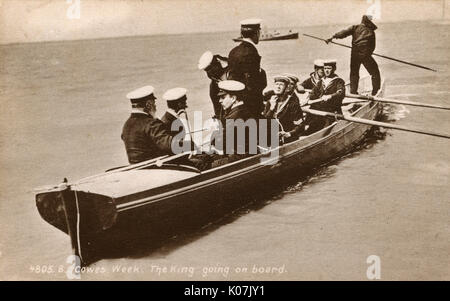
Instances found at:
x=210 y=140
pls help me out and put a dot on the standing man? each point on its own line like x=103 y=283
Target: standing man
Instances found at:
x=363 y=45
x=244 y=63
x=326 y=96
x=145 y=136
x=216 y=69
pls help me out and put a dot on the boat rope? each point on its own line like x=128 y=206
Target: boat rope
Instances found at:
x=78 y=226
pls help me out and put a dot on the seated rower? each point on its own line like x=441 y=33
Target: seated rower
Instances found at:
x=293 y=81
x=314 y=77
x=326 y=96
x=216 y=68
x=285 y=107
x=291 y=88
x=145 y=136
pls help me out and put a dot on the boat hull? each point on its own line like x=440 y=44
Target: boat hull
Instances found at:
x=102 y=224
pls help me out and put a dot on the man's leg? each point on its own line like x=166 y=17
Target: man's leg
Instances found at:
x=355 y=63
x=372 y=67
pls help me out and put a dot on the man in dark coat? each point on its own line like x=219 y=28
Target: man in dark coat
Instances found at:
x=244 y=63
x=285 y=107
x=363 y=45
x=326 y=96
x=216 y=69
x=231 y=98
x=176 y=99
x=176 y=106
x=145 y=136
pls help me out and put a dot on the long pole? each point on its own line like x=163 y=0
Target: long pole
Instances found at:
x=380 y=55
x=374 y=123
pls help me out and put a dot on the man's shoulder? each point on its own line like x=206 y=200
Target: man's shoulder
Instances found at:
x=138 y=117
x=240 y=112
x=338 y=79
x=243 y=48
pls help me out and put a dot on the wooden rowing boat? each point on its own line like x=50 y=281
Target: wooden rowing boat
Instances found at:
x=110 y=210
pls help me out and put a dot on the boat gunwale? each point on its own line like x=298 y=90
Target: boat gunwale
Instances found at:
x=230 y=175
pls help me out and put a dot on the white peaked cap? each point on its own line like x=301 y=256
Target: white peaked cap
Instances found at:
x=174 y=94
x=251 y=22
x=230 y=86
x=205 y=60
x=141 y=93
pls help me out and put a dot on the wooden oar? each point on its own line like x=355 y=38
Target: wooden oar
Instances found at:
x=397 y=101
x=364 y=98
x=374 y=123
x=383 y=56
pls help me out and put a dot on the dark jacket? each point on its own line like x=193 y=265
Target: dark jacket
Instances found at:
x=168 y=120
x=244 y=65
x=239 y=112
x=291 y=116
x=363 y=37
x=145 y=138
x=311 y=82
x=336 y=88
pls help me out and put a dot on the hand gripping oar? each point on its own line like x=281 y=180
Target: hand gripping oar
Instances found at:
x=374 y=123
x=383 y=56
x=390 y=100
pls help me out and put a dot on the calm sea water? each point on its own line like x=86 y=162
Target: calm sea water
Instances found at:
x=63 y=106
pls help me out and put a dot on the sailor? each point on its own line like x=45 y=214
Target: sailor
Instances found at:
x=176 y=106
x=145 y=136
x=290 y=89
x=244 y=63
x=231 y=95
x=293 y=81
x=326 y=96
x=363 y=45
x=314 y=77
x=285 y=107
x=173 y=120
x=216 y=69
